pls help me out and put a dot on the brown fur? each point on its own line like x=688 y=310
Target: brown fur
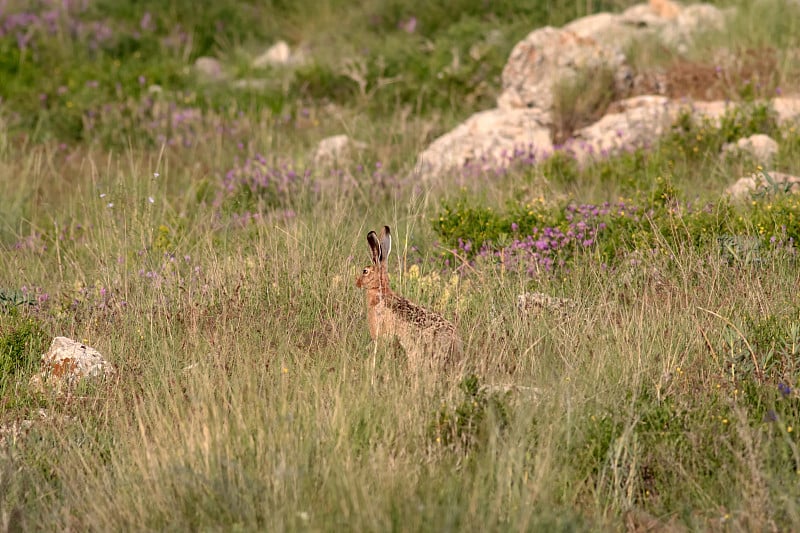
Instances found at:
x=424 y=335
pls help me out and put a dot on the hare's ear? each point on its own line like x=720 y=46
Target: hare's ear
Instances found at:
x=386 y=243
x=374 y=246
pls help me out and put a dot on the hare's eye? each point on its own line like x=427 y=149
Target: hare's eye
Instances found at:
x=366 y=271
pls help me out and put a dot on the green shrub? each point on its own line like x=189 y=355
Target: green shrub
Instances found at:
x=695 y=139
x=765 y=347
x=21 y=344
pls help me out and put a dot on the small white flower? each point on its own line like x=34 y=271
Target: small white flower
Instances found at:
x=151 y=200
x=110 y=204
x=156 y=174
x=103 y=195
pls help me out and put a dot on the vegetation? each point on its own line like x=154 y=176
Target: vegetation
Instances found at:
x=181 y=226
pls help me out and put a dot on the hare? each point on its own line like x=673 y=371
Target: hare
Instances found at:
x=423 y=334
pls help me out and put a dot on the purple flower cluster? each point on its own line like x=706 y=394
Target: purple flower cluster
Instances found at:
x=543 y=248
x=263 y=184
x=164 y=123
x=32 y=296
x=53 y=17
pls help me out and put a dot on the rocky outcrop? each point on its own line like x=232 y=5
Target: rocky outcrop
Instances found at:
x=549 y=57
x=276 y=55
x=668 y=22
x=209 y=69
x=787 y=110
x=642 y=119
x=335 y=149
x=762 y=148
x=758 y=181
x=524 y=123
x=68 y=362
x=488 y=138
x=279 y=55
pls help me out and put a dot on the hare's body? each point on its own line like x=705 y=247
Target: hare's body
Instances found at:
x=424 y=335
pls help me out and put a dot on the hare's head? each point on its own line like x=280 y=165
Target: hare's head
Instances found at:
x=376 y=276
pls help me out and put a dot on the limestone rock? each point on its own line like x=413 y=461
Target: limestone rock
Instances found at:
x=608 y=28
x=667 y=21
x=691 y=21
x=641 y=122
x=712 y=111
x=488 y=138
x=67 y=362
x=277 y=54
x=761 y=147
x=666 y=9
x=758 y=181
x=335 y=149
x=788 y=110
x=209 y=68
x=648 y=16
x=548 y=57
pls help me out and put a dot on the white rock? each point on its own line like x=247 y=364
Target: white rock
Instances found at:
x=334 y=149
x=712 y=111
x=277 y=54
x=787 y=109
x=209 y=68
x=643 y=16
x=488 y=138
x=666 y=9
x=549 y=57
x=67 y=362
x=749 y=184
x=761 y=147
x=603 y=27
x=642 y=121
x=691 y=21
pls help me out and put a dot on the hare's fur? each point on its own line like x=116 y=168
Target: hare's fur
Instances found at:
x=424 y=335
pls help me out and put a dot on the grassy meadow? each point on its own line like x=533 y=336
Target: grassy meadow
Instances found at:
x=181 y=227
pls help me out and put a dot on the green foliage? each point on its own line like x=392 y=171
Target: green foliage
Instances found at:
x=11 y=300
x=765 y=348
x=662 y=217
x=105 y=55
x=694 y=139
x=469 y=424
x=22 y=341
x=466 y=222
x=562 y=168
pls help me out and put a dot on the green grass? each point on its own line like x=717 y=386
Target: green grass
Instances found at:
x=187 y=235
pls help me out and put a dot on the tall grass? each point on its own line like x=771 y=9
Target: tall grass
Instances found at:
x=188 y=237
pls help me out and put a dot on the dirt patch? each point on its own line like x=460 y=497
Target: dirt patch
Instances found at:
x=750 y=74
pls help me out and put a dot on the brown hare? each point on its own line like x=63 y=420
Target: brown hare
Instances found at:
x=423 y=334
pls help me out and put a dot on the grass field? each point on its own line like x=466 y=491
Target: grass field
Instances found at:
x=181 y=227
